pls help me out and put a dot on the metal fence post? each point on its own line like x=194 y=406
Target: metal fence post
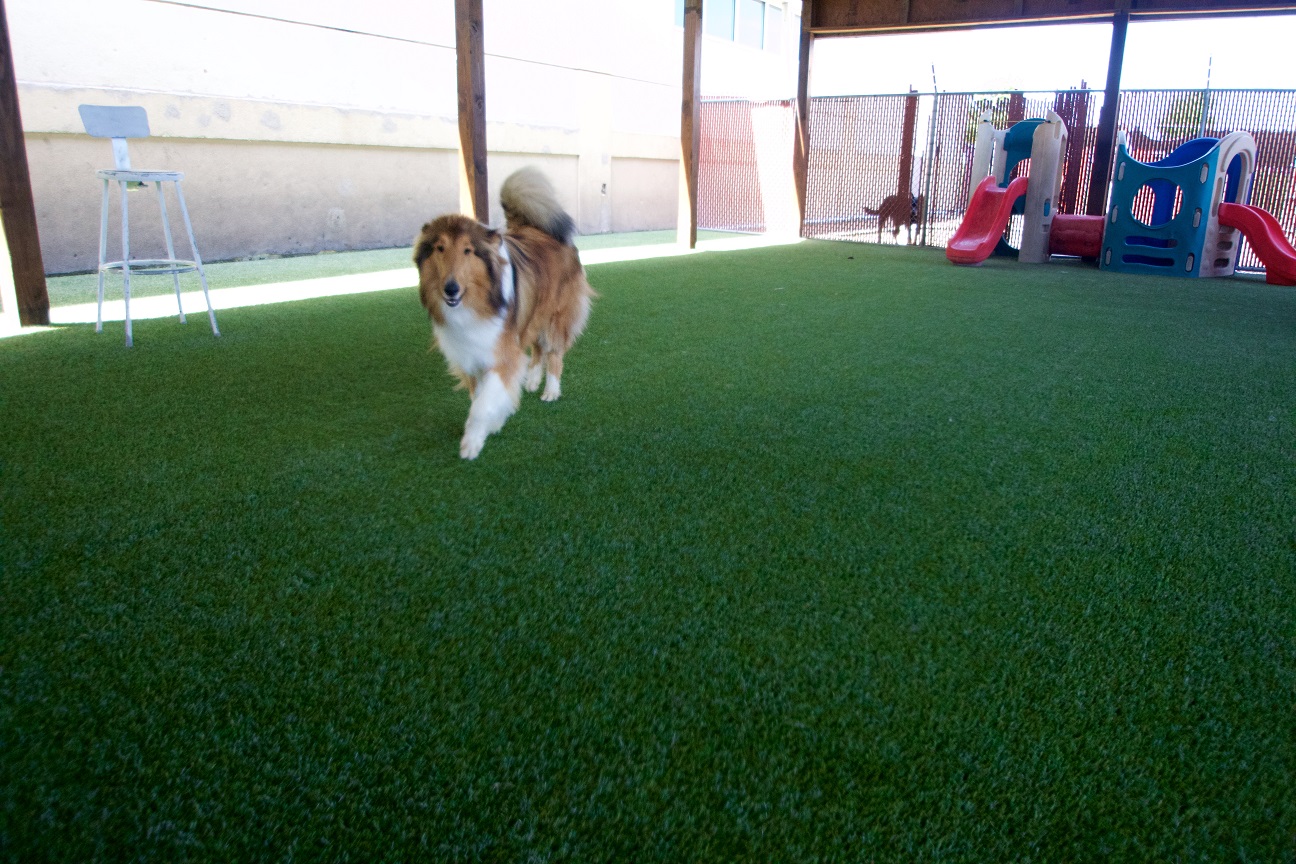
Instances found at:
x=931 y=161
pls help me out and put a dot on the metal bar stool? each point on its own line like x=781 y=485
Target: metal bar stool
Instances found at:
x=120 y=123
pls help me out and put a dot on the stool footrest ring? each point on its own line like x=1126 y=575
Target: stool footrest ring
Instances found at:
x=152 y=266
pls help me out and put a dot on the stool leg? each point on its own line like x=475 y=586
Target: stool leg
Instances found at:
x=193 y=244
x=126 y=260
x=166 y=230
x=103 y=253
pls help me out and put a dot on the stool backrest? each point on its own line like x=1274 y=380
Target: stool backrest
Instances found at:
x=117 y=122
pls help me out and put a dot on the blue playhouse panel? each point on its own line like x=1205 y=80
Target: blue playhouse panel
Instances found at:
x=1191 y=151
x=1187 y=153
x=1231 y=185
x=1174 y=246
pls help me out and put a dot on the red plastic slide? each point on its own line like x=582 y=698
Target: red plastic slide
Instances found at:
x=984 y=223
x=1267 y=239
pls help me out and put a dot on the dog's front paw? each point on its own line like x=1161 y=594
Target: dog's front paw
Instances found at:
x=470 y=446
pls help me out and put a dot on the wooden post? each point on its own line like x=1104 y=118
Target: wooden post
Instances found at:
x=801 y=134
x=1097 y=204
x=904 y=185
x=1073 y=107
x=17 y=207
x=690 y=124
x=473 y=197
x=1016 y=107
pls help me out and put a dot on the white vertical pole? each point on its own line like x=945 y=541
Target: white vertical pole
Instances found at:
x=103 y=253
x=166 y=232
x=126 y=259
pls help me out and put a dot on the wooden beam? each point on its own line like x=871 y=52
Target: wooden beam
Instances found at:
x=690 y=124
x=904 y=184
x=17 y=207
x=1106 y=139
x=801 y=134
x=843 y=17
x=473 y=197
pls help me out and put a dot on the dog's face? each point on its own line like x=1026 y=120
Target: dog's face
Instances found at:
x=459 y=264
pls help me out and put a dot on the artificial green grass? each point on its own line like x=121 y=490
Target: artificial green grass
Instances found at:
x=828 y=552
x=84 y=287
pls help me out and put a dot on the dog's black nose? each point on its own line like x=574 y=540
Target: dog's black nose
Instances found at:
x=452 y=291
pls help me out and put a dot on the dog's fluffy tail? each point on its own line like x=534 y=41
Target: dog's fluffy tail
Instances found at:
x=528 y=198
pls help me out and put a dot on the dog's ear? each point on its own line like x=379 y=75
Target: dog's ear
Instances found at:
x=423 y=245
x=491 y=253
x=422 y=249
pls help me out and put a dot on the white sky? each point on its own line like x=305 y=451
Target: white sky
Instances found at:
x=1243 y=52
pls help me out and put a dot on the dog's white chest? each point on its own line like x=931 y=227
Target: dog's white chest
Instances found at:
x=468 y=341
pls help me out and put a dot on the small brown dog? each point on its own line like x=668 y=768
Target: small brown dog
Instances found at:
x=493 y=297
x=907 y=211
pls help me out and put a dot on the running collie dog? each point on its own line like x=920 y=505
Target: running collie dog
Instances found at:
x=494 y=298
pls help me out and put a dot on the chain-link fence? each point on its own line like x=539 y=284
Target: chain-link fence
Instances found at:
x=744 y=173
x=862 y=160
x=897 y=168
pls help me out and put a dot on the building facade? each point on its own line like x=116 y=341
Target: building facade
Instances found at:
x=311 y=125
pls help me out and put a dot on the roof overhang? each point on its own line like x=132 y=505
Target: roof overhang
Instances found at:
x=855 y=17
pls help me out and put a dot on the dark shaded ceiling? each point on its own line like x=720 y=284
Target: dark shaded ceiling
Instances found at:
x=844 y=17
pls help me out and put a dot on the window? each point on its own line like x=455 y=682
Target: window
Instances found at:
x=718 y=18
x=756 y=23
x=751 y=22
x=773 y=28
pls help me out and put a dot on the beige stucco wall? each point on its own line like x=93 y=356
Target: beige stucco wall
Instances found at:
x=646 y=194
x=274 y=178
x=245 y=198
